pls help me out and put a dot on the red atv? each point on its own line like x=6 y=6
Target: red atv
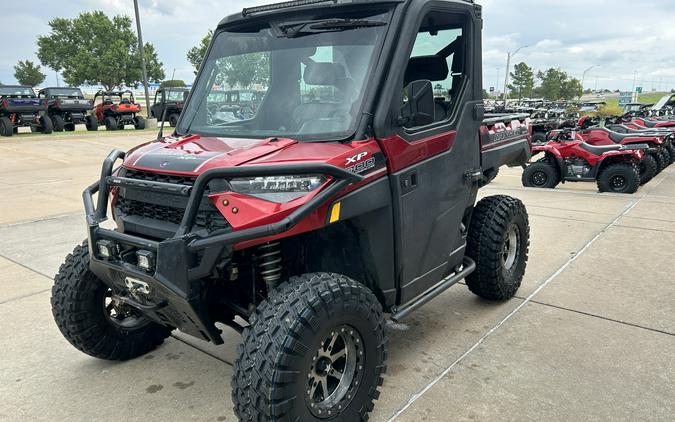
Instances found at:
x=567 y=159
x=116 y=109
x=659 y=154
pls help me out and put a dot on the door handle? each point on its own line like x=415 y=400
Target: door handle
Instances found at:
x=409 y=182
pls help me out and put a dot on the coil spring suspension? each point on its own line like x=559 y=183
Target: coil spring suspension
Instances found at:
x=269 y=264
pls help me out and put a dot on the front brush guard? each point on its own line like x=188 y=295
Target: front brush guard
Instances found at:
x=182 y=260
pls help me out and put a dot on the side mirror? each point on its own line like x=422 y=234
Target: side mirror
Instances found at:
x=418 y=106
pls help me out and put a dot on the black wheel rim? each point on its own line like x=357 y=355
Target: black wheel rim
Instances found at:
x=511 y=247
x=335 y=372
x=539 y=178
x=121 y=314
x=617 y=183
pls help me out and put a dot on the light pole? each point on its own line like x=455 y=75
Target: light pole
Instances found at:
x=508 y=65
x=583 y=76
x=142 y=51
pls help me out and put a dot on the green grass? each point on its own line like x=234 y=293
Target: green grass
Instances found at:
x=612 y=108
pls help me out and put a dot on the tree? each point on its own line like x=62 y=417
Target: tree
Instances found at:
x=571 y=88
x=522 y=79
x=196 y=54
x=245 y=69
x=93 y=49
x=170 y=83
x=557 y=84
x=28 y=73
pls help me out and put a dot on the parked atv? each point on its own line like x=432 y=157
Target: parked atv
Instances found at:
x=615 y=168
x=312 y=219
x=168 y=104
x=67 y=107
x=20 y=107
x=659 y=143
x=116 y=109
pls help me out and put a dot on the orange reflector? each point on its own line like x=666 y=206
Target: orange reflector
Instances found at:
x=335 y=213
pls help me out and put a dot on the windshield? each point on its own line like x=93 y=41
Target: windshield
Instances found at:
x=303 y=79
x=175 y=95
x=65 y=92
x=16 y=91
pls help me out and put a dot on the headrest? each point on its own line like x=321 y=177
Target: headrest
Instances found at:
x=433 y=68
x=324 y=73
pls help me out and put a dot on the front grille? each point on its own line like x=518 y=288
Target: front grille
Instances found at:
x=156 y=177
x=210 y=220
x=164 y=208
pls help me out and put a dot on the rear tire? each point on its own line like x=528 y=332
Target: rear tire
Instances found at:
x=46 y=125
x=69 y=127
x=139 y=123
x=541 y=174
x=110 y=123
x=647 y=169
x=79 y=302
x=58 y=123
x=6 y=127
x=619 y=178
x=498 y=242
x=92 y=123
x=173 y=119
x=287 y=361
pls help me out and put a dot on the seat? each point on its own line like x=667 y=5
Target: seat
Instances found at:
x=618 y=137
x=649 y=123
x=599 y=149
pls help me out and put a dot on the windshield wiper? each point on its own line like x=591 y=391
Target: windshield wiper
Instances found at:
x=295 y=29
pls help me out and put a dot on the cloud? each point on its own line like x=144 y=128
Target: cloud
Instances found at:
x=573 y=35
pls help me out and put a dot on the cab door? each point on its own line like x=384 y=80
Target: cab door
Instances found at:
x=431 y=164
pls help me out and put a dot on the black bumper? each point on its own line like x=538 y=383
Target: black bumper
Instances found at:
x=176 y=296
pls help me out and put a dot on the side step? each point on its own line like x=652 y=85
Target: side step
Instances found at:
x=468 y=267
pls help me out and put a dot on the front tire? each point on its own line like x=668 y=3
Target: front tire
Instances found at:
x=92 y=123
x=111 y=123
x=46 y=125
x=619 y=178
x=498 y=242
x=316 y=349
x=6 y=126
x=58 y=123
x=139 y=123
x=85 y=312
x=173 y=119
x=541 y=174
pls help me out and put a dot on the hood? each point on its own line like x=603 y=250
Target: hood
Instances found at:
x=196 y=154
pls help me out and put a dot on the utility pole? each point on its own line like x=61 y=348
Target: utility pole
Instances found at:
x=508 y=65
x=634 y=96
x=142 y=51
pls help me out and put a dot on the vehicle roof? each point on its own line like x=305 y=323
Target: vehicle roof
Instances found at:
x=16 y=86
x=303 y=5
x=60 y=87
x=174 y=88
x=128 y=91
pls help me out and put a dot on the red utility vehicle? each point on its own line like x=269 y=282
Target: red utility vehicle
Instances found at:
x=348 y=193
x=116 y=109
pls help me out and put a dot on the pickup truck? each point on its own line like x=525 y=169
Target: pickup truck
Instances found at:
x=68 y=107
x=351 y=192
x=20 y=107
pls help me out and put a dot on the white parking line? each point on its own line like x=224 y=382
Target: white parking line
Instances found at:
x=553 y=276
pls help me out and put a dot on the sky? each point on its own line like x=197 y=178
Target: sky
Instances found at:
x=618 y=37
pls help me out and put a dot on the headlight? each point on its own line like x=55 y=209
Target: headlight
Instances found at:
x=278 y=188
